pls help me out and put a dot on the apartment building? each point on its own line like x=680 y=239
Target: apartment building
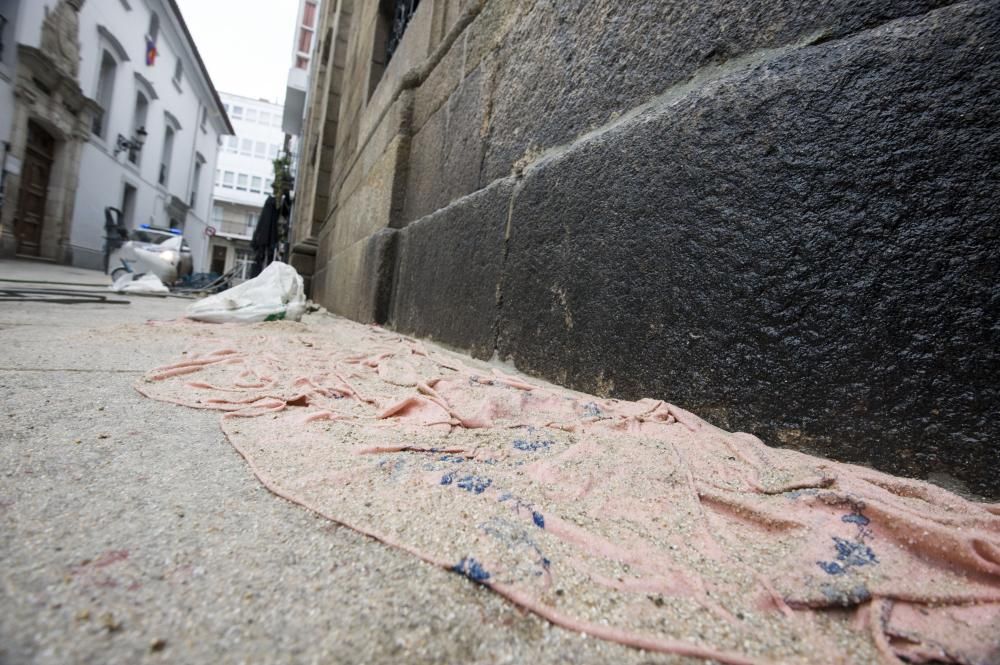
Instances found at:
x=243 y=180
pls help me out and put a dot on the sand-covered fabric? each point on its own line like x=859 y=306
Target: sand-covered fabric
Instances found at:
x=636 y=522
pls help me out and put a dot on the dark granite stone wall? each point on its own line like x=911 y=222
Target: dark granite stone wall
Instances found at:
x=448 y=274
x=803 y=243
x=808 y=249
x=568 y=66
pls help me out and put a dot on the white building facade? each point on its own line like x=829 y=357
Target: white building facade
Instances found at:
x=243 y=180
x=143 y=137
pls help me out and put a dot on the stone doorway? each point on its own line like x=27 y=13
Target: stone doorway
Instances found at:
x=39 y=152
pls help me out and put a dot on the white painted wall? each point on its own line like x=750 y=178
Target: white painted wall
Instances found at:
x=12 y=11
x=103 y=174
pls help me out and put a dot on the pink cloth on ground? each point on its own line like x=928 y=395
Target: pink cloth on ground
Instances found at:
x=636 y=522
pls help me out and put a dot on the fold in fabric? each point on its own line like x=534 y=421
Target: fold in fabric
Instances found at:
x=635 y=522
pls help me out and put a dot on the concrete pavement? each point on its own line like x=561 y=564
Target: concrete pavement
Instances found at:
x=132 y=532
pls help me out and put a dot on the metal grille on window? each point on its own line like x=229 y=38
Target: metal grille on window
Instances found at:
x=401 y=16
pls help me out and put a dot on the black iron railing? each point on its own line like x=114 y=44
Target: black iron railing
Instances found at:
x=401 y=15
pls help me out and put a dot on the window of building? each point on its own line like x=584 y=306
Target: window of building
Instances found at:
x=128 y=206
x=260 y=150
x=273 y=152
x=256 y=183
x=309 y=15
x=168 y=152
x=199 y=163
x=241 y=182
x=327 y=45
x=218 y=177
x=232 y=144
x=138 y=122
x=382 y=45
x=251 y=221
x=178 y=73
x=217 y=216
x=246 y=147
x=237 y=112
x=226 y=106
x=276 y=120
x=8 y=19
x=265 y=118
x=105 y=93
x=227 y=179
x=154 y=27
x=398 y=14
x=305 y=40
x=251 y=115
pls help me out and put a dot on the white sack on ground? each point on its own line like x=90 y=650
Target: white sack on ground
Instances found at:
x=148 y=283
x=276 y=293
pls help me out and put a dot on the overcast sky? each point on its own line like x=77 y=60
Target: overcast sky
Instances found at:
x=246 y=44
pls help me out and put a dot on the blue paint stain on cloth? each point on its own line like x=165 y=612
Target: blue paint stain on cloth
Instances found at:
x=850 y=554
x=531 y=446
x=475 y=484
x=538 y=519
x=853 y=553
x=470 y=483
x=831 y=567
x=530 y=560
x=472 y=569
x=856 y=518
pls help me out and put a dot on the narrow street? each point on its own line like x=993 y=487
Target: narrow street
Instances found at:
x=131 y=531
x=499 y=331
x=368 y=496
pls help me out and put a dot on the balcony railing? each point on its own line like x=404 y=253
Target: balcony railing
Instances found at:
x=232 y=228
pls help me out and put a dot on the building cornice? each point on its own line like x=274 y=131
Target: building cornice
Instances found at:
x=35 y=68
x=112 y=41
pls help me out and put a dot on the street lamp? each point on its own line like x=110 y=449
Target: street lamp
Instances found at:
x=132 y=144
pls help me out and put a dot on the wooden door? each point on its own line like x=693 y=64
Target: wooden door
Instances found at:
x=34 y=187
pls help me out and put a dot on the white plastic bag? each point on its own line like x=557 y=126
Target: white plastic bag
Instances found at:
x=148 y=283
x=276 y=293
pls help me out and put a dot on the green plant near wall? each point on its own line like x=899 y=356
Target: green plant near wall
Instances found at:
x=282 y=175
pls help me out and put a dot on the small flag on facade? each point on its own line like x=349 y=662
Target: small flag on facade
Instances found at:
x=151 y=52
